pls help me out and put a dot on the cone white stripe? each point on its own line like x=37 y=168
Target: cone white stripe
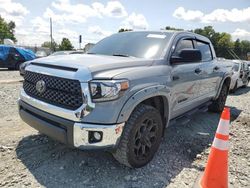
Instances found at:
x=220 y=144
x=223 y=127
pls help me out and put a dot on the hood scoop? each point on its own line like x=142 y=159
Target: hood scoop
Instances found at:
x=55 y=66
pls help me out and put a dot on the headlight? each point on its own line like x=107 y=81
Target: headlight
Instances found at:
x=106 y=90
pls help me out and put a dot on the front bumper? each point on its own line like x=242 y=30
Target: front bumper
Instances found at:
x=73 y=133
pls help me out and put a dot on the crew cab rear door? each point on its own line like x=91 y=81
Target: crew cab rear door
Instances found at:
x=185 y=80
x=211 y=71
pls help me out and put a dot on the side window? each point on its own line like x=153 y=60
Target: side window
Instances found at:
x=205 y=51
x=245 y=67
x=182 y=44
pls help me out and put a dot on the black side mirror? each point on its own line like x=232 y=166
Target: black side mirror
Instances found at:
x=187 y=56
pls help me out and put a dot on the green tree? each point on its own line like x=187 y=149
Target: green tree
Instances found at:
x=207 y=31
x=124 y=30
x=210 y=33
x=7 y=30
x=237 y=48
x=245 y=48
x=173 y=28
x=66 y=44
x=47 y=44
x=222 y=42
x=225 y=44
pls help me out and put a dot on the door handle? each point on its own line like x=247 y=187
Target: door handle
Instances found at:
x=175 y=77
x=216 y=68
x=197 y=71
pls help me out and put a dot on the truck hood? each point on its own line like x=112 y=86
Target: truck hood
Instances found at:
x=100 y=66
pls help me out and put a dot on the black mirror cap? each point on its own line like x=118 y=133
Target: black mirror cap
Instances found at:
x=187 y=56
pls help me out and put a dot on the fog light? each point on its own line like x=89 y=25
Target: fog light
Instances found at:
x=97 y=136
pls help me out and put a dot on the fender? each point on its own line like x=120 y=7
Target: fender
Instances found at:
x=226 y=75
x=143 y=94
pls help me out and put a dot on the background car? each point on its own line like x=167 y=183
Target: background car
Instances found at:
x=12 y=57
x=67 y=52
x=240 y=77
x=41 y=53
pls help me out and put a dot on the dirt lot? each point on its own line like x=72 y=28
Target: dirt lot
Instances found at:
x=30 y=159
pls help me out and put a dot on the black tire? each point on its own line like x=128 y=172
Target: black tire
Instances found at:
x=218 y=104
x=141 y=137
x=17 y=66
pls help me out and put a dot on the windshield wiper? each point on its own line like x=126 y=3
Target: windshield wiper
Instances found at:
x=121 y=55
x=91 y=53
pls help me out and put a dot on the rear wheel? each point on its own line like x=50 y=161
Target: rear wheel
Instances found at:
x=219 y=103
x=141 y=137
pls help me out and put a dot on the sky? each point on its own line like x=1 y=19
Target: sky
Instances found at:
x=95 y=19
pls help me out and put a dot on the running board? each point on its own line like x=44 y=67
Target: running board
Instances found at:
x=185 y=118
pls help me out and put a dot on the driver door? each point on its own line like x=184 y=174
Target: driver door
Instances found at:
x=185 y=82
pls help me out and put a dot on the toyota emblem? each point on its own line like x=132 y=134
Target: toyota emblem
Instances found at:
x=40 y=86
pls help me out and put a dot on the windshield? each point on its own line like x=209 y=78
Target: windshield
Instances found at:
x=236 y=67
x=135 y=44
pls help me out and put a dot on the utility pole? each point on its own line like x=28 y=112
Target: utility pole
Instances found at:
x=80 y=41
x=51 y=37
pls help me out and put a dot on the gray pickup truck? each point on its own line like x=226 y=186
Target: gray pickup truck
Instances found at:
x=124 y=92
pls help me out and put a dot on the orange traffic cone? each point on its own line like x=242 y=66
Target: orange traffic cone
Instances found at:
x=216 y=171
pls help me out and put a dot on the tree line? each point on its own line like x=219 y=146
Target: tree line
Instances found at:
x=64 y=45
x=224 y=45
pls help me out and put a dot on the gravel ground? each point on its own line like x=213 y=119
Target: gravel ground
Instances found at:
x=5 y=74
x=30 y=159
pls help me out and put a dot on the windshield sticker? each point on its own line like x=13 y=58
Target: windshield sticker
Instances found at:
x=156 y=36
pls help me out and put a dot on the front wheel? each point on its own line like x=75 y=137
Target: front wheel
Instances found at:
x=141 y=137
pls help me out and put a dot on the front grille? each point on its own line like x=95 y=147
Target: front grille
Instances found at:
x=60 y=92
